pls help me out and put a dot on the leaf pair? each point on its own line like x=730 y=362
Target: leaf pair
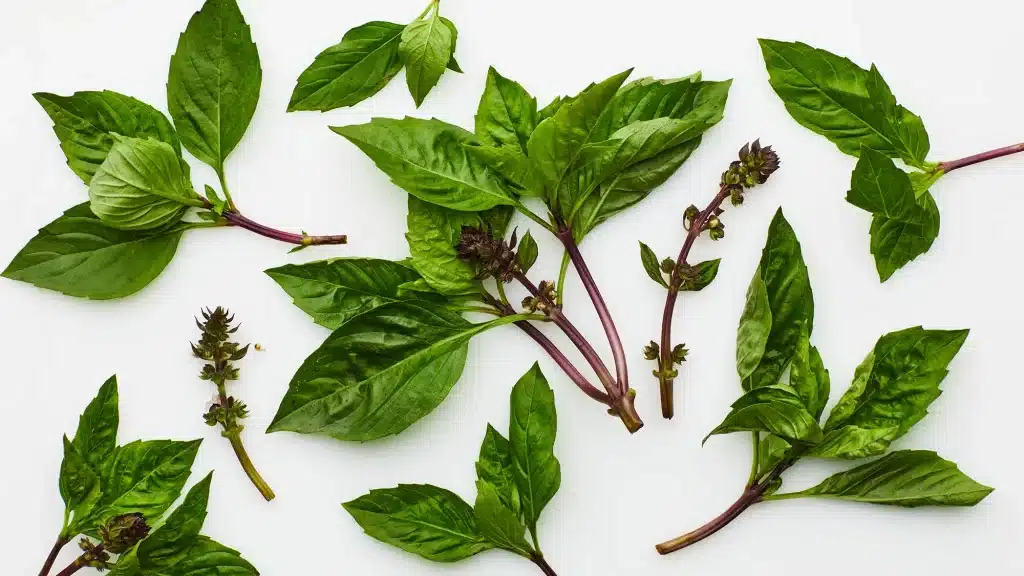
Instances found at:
x=891 y=391
x=101 y=481
x=370 y=56
x=516 y=479
x=130 y=156
x=857 y=111
x=689 y=278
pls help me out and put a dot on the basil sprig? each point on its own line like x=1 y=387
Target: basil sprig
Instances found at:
x=371 y=55
x=516 y=478
x=891 y=392
x=583 y=159
x=115 y=496
x=139 y=183
x=856 y=110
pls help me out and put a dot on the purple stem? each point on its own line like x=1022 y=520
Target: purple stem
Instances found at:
x=237 y=219
x=618 y=353
x=979 y=158
x=666 y=363
x=574 y=335
x=543 y=565
x=48 y=565
x=82 y=561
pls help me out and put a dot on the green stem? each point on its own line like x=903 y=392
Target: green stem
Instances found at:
x=560 y=291
x=430 y=7
x=224 y=188
x=789 y=496
x=756 y=460
x=480 y=309
x=501 y=291
x=233 y=432
x=533 y=216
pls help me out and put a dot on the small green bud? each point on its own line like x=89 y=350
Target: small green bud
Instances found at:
x=689 y=215
x=652 y=351
x=679 y=353
x=668 y=265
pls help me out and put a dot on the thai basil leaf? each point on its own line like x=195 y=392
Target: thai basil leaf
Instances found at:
x=755 y=327
x=850 y=106
x=426 y=48
x=904 y=225
x=453 y=64
x=205 y=557
x=379 y=372
x=214 y=82
x=494 y=467
x=784 y=274
x=433 y=233
x=507 y=115
x=774 y=409
x=422 y=519
x=702 y=274
x=499 y=524
x=892 y=389
x=527 y=252
x=96 y=437
x=86 y=123
x=79 y=483
x=78 y=255
x=334 y=291
x=141 y=186
x=428 y=159
x=922 y=181
x=352 y=71
x=532 y=429
x=809 y=377
x=179 y=531
x=651 y=98
x=557 y=143
x=852 y=442
x=908 y=478
x=143 y=477
x=511 y=165
x=651 y=264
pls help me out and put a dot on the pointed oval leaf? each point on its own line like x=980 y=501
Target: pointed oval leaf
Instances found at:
x=352 y=71
x=333 y=291
x=651 y=264
x=908 y=478
x=87 y=122
x=507 y=114
x=755 y=327
x=179 y=531
x=773 y=409
x=499 y=524
x=421 y=519
x=78 y=255
x=141 y=186
x=214 y=82
x=495 y=468
x=532 y=429
x=428 y=159
x=379 y=372
x=426 y=48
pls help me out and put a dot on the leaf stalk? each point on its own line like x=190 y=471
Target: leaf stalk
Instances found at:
x=979 y=158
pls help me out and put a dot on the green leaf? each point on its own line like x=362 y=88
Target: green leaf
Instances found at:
x=908 y=478
x=809 y=377
x=755 y=327
x=850 y=106
x=143 y=477
x=204 y=558
x=96 y=437
x=428 y=159
x=79 y=483
x=527 y=252
x=511 y=165
x=790 y=299
x=556 y=145
x=499 y=524
x=922 y=181
x=78 y=255
x=507 y=115
x=702 y=274
x=348 y=73
x=651 y=98
x=853 y=442
x=770 y=452
x=334 y=291
x=904 y=225
x=433 y=234
x=495 y=468
x=552 y=107
x=179 y=531
x=86 y=123
x=532 y=429
x=426 y=48
x=379 y=372
x=453 y=64
x=422 y=519
x=141 y=186
x=651 y=264
x=214 y=82
x=774 y=409
x=892 y=390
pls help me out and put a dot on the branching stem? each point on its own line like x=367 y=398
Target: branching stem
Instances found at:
x=666 y=363
x=82 y=561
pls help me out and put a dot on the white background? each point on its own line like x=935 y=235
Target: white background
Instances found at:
x=956 y=64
